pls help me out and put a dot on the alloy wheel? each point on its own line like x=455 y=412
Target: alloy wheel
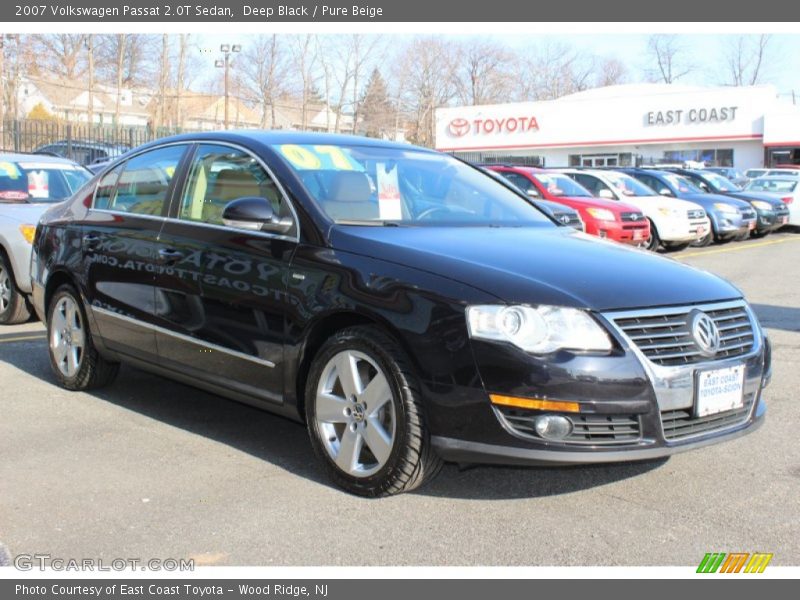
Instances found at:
x=355 y=413
x=67 y=337
x=5 y=289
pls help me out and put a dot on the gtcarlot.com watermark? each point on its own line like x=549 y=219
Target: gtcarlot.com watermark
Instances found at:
x=42 y=562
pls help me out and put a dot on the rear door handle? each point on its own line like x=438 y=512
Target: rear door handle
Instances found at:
x=169 y=255
x=90 y=241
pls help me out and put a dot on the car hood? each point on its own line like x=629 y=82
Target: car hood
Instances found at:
x=710 y=199
x=539 y=264
x=650 y=205
x=771 y=197
x=23 y=212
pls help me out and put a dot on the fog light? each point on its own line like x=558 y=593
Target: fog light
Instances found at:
x=553 y=427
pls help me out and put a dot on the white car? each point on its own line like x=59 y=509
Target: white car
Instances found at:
x=787 y=188
x=674 y=223
x=29 y=185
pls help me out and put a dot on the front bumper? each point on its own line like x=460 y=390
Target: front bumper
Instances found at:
x=629 y=232
x=682 y=230
x=641 y=409
x=729 y=225
x=770 y=220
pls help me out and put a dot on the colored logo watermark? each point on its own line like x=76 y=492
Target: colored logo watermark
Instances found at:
x=734 y=562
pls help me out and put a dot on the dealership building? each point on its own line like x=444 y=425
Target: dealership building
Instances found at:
x=629 y=125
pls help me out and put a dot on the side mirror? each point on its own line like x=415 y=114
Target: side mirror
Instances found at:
x=254 y=213
x=533 y=192
x=607 y=194
x=665 y=192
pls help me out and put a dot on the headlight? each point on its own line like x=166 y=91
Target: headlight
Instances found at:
x=726 y=208
x=601 y=213
x=670 y=212
x=540 y=330
x=28 y=231
x=761 y=205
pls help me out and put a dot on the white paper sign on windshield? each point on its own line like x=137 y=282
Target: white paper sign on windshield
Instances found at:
x=389 y=203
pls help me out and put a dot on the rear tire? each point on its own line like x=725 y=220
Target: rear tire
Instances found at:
x=13 y=305
x=73 y=356
x=365 y=415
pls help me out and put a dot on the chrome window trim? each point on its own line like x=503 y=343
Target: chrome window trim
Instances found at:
x=187 y=338
x=122 y=164
x=278 y=184
x=278 y=236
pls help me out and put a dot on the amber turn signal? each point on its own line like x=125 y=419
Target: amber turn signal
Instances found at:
x=535 y=403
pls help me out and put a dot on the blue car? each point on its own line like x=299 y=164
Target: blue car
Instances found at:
x=730 y=218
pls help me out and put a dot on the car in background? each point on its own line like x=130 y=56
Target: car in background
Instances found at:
x=771 y=212
x=83 y=152
x=29 y=185
x=787 y=189
x=562 y=214
x=753 y=173
x=604 y=218
x=673 y=225
x=784 y=172
x=407 y=307
x=730 y=217
x=734 y=175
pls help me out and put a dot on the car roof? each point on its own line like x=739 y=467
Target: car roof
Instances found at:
x=89 y=144
x=791 y=178
x=39 y=158
x=269 y=137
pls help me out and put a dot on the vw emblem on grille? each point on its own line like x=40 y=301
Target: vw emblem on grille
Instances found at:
x=705 y=333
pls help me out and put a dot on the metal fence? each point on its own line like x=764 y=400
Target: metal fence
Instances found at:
x=81 y=142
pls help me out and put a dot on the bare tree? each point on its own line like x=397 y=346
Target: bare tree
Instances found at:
x=610 y=71
x=554 y=69
x=484 y=73
x=667 y=58
x=304 y=57
x=745 y=58
x=163 y=81
x=89 y=43
x=62 y=54
x=264 y=69
x=121 y=43
x=427 y=67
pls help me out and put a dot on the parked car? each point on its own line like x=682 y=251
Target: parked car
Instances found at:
x=787 y=189
x=735 y=176
x=672 y=225
x=771 y=212
x=84 y=152
x=409 y=307
x=753 y=173
x=560 y=213
x=604 y=218
x=29 y=184
x=730 y=218
x=785 y=172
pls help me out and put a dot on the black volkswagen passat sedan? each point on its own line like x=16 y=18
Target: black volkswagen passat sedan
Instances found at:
x=406 y=306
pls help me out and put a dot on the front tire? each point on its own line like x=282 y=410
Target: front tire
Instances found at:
x=73 y=356
x=704 y=241
x=13 y=306
x=654 y=242
x=365 y=415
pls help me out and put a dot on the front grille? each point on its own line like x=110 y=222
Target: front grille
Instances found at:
x=680 y=424
x=631 y=216
x=665 y=338
x=696 y=214
x=587 y=429
x=569 y=219
x=748 y=213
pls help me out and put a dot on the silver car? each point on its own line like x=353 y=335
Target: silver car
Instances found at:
x=29 y=184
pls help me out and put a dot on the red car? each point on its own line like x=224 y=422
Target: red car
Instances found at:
x=604 y=218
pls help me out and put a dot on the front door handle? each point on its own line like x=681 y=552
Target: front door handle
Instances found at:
x=90 y=241
x=169 y=256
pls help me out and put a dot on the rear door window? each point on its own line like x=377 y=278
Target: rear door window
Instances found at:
x=145 y=180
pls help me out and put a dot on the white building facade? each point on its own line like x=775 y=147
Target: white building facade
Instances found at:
x=629 y=125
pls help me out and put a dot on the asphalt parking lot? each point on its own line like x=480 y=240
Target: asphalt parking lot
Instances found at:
x=153 y=469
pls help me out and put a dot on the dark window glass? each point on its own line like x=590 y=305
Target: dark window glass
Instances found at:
x=145 y=179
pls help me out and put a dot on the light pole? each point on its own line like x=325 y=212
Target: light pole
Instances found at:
x=226 y=50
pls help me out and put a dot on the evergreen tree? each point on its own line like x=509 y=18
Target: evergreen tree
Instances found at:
x=377 y=110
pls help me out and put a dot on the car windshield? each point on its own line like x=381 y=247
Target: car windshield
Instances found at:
x=561 y=185
x=721 y=183
x=779 y=186
x=396 y=186
x=628 y=186
x=683 y=185
x=39 y=181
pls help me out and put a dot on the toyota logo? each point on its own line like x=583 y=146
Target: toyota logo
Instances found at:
x=705 y=333
x=458 y=127
x=564 y=219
